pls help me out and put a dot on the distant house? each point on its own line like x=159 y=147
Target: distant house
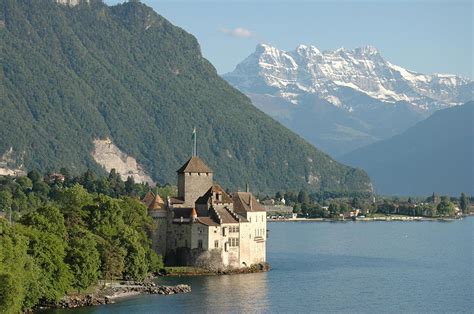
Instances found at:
x=54 y=177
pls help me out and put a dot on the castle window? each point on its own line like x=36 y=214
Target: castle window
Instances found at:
x=185 y=243
x=233 y=242
x=216 y=244
x=200 y=244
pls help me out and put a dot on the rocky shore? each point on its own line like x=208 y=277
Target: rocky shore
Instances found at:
x=109 y=294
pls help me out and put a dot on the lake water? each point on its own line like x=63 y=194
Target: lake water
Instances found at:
x=337 y=267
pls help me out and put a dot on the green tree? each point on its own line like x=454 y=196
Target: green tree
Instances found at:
x=25 y=183
x=333 y=208
x=445 y=207
x=88 y=181
x=303 y=197
x=41 y=188
x=136 y=263
x=13 y=269
x=6 y=201
x=82 y=258
x=112 y=257
x=47 y=219
x=34 y=176
x=344 y=208
x=130 y=186
x=464 y=203
x=357 y=203
x=296 y=208
x=48 y=252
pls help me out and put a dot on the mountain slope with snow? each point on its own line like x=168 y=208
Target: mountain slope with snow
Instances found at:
x=308 y=70
x=358 y=82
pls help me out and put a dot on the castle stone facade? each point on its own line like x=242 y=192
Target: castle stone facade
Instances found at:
x=205 y=226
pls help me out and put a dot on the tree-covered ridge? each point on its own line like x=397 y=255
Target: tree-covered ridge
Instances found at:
x=74 y=74
x=58 y=237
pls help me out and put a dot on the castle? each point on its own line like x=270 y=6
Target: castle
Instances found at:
x=205 y=226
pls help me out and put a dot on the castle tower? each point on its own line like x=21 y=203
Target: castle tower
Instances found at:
x=157 y=210
x=194 y=180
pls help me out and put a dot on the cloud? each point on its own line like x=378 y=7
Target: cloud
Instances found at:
x=238 y=32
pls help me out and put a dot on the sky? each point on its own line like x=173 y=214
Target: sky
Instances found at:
x=420 y=35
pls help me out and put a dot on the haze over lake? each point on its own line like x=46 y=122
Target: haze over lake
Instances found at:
x=341 y=267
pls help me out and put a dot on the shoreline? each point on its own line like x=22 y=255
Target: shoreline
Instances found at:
x=183 y=271
x=370 y=219
x=113 y=292
x=110 y=293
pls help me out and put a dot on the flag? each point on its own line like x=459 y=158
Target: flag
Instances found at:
x=194 y=142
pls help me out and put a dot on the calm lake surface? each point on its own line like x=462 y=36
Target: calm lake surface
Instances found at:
x=337 y=267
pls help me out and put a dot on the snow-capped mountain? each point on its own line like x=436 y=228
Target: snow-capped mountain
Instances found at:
x=308 y=70
x=343 y=99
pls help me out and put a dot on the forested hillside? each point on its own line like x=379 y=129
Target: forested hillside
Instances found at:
x=74 y=74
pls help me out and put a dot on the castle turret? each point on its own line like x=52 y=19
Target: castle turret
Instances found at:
x=194 y=214
x=194 y=180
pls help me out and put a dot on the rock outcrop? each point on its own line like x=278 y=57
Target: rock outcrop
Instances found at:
x=72 y=2
x=109 y=156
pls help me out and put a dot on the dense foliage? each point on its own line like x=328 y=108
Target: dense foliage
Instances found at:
x=63 y=238
x=74 y=74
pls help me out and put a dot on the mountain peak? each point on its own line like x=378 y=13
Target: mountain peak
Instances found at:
x=307 y=50
x=367 y=50
x=363 y=70
x=261 y=47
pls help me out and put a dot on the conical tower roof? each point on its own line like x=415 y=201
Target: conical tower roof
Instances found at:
x=194 y=165
x=157 y=203
x=148 y=198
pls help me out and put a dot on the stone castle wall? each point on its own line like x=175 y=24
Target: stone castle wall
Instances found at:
x=195 y=185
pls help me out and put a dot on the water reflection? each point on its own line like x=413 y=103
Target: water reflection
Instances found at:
x=246 y=293
x=237 y=293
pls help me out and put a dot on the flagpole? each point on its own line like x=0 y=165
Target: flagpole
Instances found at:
x=195 y=142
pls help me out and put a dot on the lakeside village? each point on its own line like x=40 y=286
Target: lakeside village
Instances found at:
x=62 y=235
